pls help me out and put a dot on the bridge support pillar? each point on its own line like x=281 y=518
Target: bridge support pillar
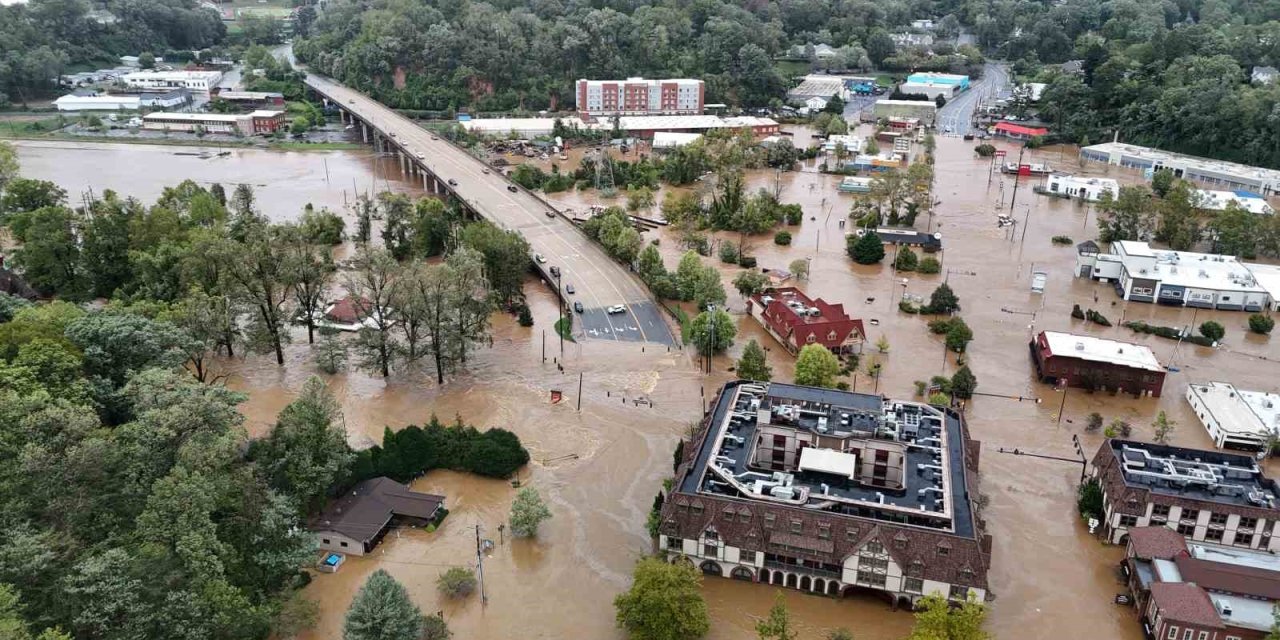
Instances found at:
x=404 y=169
x=426 y=187
x=364 y=132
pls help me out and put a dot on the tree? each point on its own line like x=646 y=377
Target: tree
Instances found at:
x=816 y=366
x=527 y=512
x=906 y=260
x=307 y=270
x=882 y=345
x=712 y=331
x=936 y=619
x=258 y=270
x=639 y=199
x=1259 y=323
x=23 y=195
x=433 y=626
x=958 y=335
x=664 y=603
x=750 y=282
x=456 y=582
x=296 y=615
x=1163 y=427
x=942 y=300
x=799 y=268
x=963 y=383
x=752 y=365
x=1213 y=330
x=707 y=288
x=1089 y=499
x=866 y=248
x=372 y=285
x=382 y=610
x=778 y=625
x=306 y=452
x=505 y=257
x=9 y=166
x=1128 y=216
x=50 y=257
x=1162 y=181
x=1094 y=422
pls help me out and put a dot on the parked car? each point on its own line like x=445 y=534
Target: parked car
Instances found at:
x=577 y=306
x=551 y=214
x=555 y=271
x=539 y=258
x=484 y=171
x=617 y=308
x=452 y=182
x=435 y=137
x=512 y=188
x=568 y=288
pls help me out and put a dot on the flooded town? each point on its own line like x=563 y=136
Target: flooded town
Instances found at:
x=841 y=332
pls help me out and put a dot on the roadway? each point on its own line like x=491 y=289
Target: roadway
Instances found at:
x=956 y=116
x=599 y=281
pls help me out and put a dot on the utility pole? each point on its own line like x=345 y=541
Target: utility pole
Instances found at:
x=484 y=597
x=1017 y=178
x=579 y=391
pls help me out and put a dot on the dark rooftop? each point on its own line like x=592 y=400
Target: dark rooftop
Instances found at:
x=1212 y=476
x=364 y=511
x=926 y=441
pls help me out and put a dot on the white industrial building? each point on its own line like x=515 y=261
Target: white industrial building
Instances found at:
x=851 y=144
x=1088 y=189
x=673 y=139
x=1216 y=173
x=1247 y=200
x=1235 y=418
x=818 y=86
x=122 y=102
x=930 y=89
x=641 y=126
x=1180 y=278
x=193 y=80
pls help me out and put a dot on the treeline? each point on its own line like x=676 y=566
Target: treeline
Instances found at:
x=1171 y=213
x=1174 y=75
x=413 y=451
x=500 y=56
x=42 y=38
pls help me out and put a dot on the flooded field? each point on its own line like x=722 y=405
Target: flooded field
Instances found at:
x=600 y=466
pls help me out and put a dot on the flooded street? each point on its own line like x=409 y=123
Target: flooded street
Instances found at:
x=599 y=467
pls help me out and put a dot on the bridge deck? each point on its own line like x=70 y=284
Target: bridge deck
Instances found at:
x=599 y=281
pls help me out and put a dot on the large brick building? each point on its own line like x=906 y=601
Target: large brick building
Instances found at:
x=1209 y=496
x=795 y=320
x=1096 y=363
x=638 y=97
x=832 y=493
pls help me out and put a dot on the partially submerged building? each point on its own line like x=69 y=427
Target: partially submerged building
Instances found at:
x=1234 y=418
x=795 y=320
x=356 y=522
x=926 y=111
x=1096 y=364
x=1084 y=188
x=1179 y=278
x=830 y=492
x=1215 y=173
x=1203 y=495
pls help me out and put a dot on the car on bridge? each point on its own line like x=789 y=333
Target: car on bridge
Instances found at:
x=617 y=308
x=539 y=258
x=452 y=182
x=568 y=288
x=577 y=306
x=512 y=188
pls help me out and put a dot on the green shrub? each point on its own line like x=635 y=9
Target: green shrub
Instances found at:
x=905 y=306
x=782 y=238
x=1062 y=240
x=940 y=399
x=1259 y=323
x=728 y=253
x=929 y=264
x=906 y=260
x=1213 y=330
x=1077 y=312
x=985 y=150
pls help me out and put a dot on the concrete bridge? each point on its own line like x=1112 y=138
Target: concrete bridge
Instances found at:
x=444 y=169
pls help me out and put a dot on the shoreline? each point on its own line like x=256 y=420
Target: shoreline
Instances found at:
x=271 y=146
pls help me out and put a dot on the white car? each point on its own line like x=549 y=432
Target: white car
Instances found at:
x=617 y=308
x=539 y=257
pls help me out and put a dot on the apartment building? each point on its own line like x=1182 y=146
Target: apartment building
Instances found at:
x=1234 y=418
x=832 y=493
x=1205 y=496
x=638 y=97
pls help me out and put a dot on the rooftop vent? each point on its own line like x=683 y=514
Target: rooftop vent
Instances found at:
x=1079 y=346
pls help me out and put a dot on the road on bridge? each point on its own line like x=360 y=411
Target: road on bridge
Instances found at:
x=598 y=280
x=956 y=116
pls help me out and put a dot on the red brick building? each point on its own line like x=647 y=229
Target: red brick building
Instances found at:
x=1019 y=132
x=1096 y=364
x=795 y=320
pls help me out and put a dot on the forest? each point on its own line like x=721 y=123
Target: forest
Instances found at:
x=43 y=39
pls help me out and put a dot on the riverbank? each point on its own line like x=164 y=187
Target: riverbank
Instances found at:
x=289 y=145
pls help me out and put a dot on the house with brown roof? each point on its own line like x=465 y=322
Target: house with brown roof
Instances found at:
x=1200 y=590
x=832 y=493
x=795 y=320
x=1203 y=495
x=355 y=523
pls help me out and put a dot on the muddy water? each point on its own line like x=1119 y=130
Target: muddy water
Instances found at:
x=599 y=467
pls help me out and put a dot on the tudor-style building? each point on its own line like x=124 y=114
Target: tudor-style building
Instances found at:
x=795 y=320
x=830 y=492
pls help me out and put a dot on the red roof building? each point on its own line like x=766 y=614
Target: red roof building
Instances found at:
x=1019 y=132
x=795 y=320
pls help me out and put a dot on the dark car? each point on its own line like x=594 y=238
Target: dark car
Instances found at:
x=568 y=288
x=551 y=214
x=452 y=182
x=512 y=188
x=577 y=306
x=555 y=271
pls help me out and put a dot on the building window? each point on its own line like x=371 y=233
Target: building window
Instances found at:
x=913 y=585
x=1204 y=635
x=1248 y=524
x=709 y=550
x=874 y=563
x=768 y=520
x=743 y=516
x=1173 y=633
x=942 y=551
x=728 y=515
x=342 y=544
x=797 y=526
x=1128 y=521
x=851 y=534
x=958 y=592
x=900 y=543
x=1160 y=510
x=1186 y=634
x=874 y=547
x=824 y=531
x=1213 y=535
x=325 y=541
x=746 y=557
x=873 y=579
x=1218 y=518
x=1187 y=529
x=1190 y=514
x=675 y=543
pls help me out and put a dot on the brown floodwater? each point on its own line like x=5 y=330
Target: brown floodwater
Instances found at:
x=599 y=467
